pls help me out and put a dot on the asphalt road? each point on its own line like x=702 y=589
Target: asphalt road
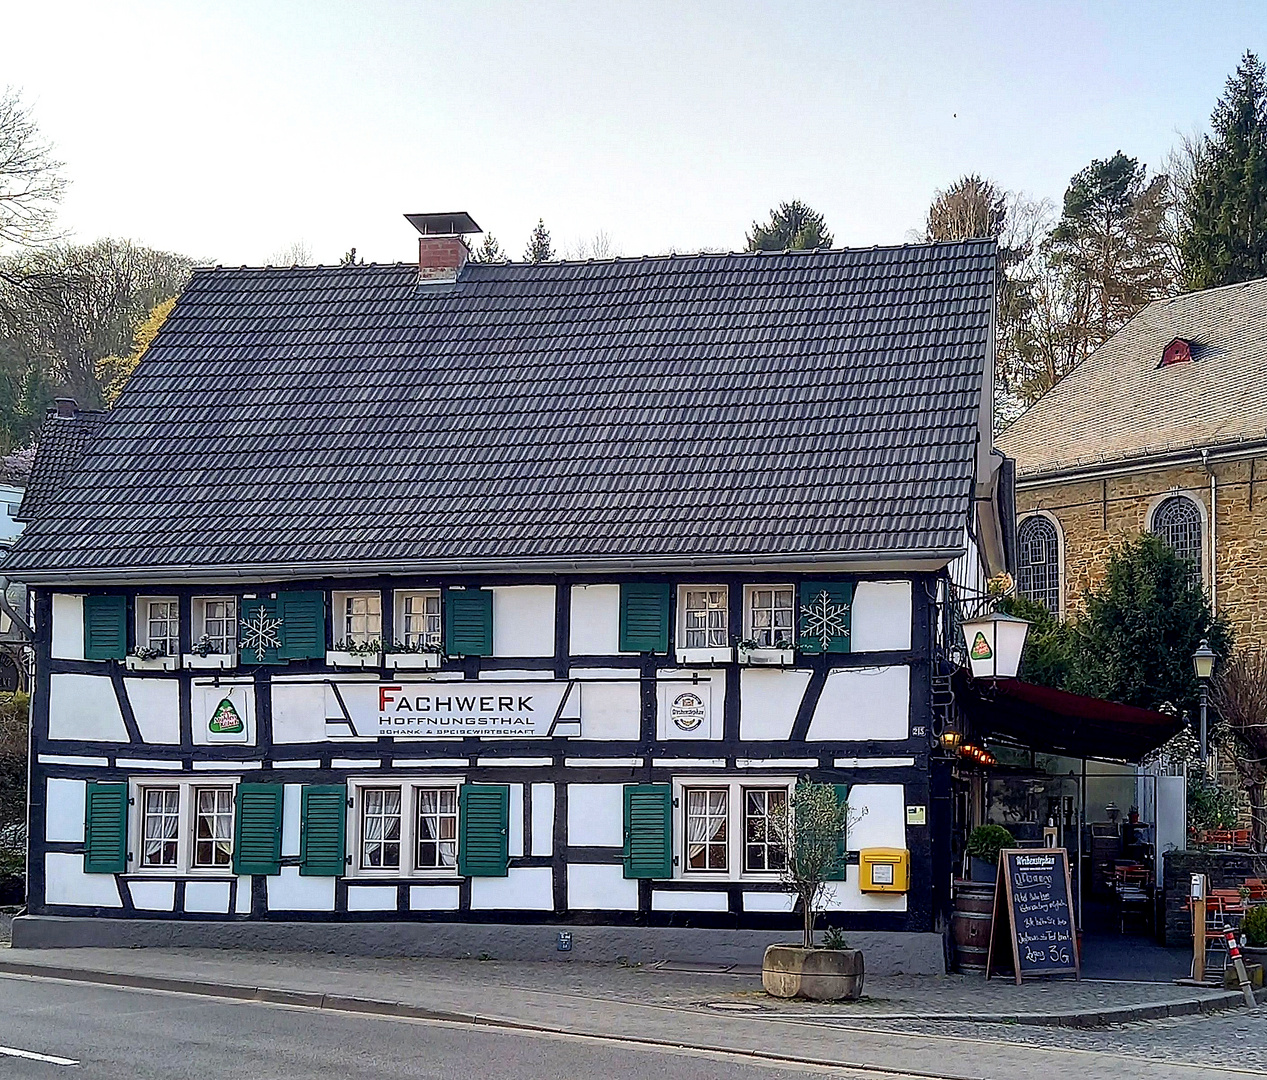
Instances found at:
x=134 y=1035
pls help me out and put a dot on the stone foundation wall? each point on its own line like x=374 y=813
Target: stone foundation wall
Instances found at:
x=1094 y=515
x=1224 y=870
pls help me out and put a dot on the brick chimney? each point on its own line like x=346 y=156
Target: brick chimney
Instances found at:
x=442 y=250
x=66 y=408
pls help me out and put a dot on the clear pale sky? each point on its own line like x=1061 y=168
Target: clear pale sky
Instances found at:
x=228 y=130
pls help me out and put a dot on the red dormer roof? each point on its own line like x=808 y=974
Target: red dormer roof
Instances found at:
x=1177 y=352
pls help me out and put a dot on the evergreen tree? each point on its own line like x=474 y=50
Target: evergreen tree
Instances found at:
x=1223 y=232
x=539 y=249
x=490 y=251
x=793 y=226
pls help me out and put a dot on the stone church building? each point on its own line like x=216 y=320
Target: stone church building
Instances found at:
x=1163 y=428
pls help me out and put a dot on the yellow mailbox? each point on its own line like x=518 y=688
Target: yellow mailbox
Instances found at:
x=884 y=869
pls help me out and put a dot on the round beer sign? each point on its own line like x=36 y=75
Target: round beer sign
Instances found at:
x=687 y=711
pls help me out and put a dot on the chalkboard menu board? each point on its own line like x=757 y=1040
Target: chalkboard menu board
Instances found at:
x=1033 y=914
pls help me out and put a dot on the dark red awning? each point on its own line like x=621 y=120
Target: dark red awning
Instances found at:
x=1057 y=722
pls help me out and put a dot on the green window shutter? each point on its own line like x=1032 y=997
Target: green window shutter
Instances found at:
x=105 y=627
x=323 y=820
x=105 y=828
x=250 y=613
x=826 y=616
x=648 y=831
x=468 y=622
x=644 y=618
x=483 y=830
x=838 y=871
x=257 y=829
x=303 y=629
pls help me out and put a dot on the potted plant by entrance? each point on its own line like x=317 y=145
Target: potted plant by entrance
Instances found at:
x=1254 y=931
x=984 y=844
x=812 y=836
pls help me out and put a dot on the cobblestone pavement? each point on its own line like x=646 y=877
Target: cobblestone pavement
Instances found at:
x=1234 y=1039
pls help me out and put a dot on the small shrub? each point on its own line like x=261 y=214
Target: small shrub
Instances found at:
x=986 y=841
x=834 y=938
x=1254 y=926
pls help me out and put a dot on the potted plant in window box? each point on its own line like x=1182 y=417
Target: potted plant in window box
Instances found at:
x=356 y=654
x=202 y=655
x=714 y=654
x=780 y=654
x=812 y=834
x=416 y=656
x=984 y=844
x=149 y=658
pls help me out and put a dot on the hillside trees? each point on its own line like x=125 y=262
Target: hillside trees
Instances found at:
x=792 y=226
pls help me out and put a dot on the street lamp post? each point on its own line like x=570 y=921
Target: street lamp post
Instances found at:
x=1203 y=664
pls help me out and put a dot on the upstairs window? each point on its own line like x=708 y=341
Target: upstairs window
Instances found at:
x=158 y=625
x=418 y=617
x=1038 y=569
x=704 y=624
x=771 y=612
x=358 y=618
x=216 y=624
x=1177 y=521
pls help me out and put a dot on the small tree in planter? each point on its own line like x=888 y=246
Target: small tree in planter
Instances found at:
x=812 y=836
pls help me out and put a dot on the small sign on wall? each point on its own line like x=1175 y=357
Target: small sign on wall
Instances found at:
x=224 y=713
x=917 y=815
x=686 y=710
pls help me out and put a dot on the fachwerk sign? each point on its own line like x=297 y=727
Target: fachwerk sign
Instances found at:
x=420 y=710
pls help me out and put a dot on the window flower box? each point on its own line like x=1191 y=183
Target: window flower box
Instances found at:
x=343 y=658
x=210 y=662
x=413 y=661
x=717 y=655
x=767 y=657
x=150 y=663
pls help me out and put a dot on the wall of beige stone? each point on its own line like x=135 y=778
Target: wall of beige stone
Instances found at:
x=1094 y=515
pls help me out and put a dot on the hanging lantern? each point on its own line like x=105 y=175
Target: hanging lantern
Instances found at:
x=995 y=642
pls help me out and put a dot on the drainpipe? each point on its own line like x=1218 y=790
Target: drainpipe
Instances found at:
x=1214 y=534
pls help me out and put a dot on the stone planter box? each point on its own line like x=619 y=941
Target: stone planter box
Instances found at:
x=335 y=658
x=423 y=661
x=160 y=663
x=210 y=662
x=767 y=657
x=790 y=971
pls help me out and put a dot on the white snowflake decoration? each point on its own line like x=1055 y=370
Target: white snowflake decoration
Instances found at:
x=825 y=620
x=259 y=633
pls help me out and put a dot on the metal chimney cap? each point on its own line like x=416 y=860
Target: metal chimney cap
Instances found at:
x=459 y=223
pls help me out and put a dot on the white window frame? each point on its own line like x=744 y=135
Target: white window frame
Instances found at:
x=198 y=617
x=409 y=787
x=736 y=786
x=703 y=654
x=339 y=617
x=749 y=603
x=137 y=786
x=143 y=624
x=435 y=637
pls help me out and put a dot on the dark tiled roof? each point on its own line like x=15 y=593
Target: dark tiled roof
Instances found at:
x=1119 y=403
x=61 y=444
x=794 y=405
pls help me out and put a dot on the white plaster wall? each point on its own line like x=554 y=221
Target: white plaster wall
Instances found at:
x=515 y=840
x=523 y=620
x=292 y=806
x=299 y=712
x=371 y=898
x=288 y=891
x=156 y=706
x=243 y=904
x=884 y=822
x=525 y=888
x=596 y=815
x=864 y=703
x=672 y=900
x=610 y=710
x=433 y=897
x=600 y=888
x=543 y=819
x=768 y=701
x=153 y=895
x=84 y=707
x=712 y=684
x=207 y=897
x=66 y=883
x=595 y=623
x=64 y=811
x=68 y=627
x=881 y=616
x=768 y=901
x=846 y=896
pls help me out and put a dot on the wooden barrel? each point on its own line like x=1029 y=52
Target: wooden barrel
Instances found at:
x=971 y=923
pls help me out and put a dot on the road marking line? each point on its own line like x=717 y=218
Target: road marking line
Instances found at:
x=31 y=1055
